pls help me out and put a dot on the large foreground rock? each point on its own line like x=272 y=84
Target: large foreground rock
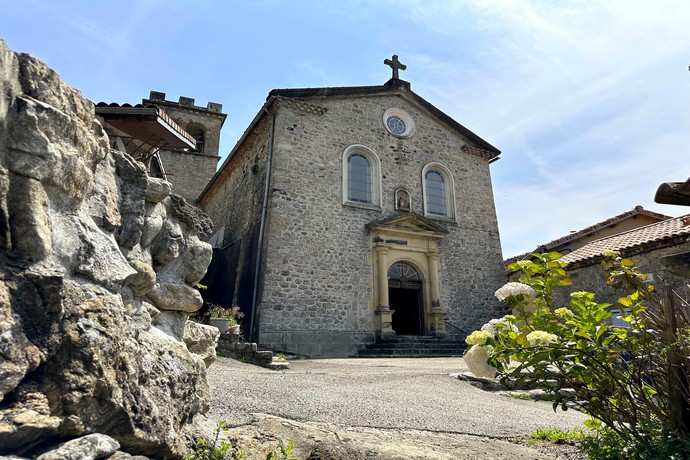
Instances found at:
x=87 y=246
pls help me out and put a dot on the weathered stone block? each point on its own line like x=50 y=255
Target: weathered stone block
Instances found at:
x=78 y=354
x=99 y=257
x=29 y=221
x=176 y=297
x=155 y=216
x=202 y=339
x=133 y=183
x=89 y=447
x=168 y=244
x=144 y=280
x=158 y=190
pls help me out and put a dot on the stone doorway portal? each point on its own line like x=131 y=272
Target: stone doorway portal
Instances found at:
x=406 y=300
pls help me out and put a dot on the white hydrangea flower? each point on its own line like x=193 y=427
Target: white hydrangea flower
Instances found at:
x=498 y=325
x=514 y=289
x=478 y=337
x=564 y=313
x=580 y=295
x=489 y=327
x=476 y=360
x=541 y=338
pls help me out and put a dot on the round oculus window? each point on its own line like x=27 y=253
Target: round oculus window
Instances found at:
x=398 y=123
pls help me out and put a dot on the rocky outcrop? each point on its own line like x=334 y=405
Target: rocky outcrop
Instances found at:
x=97 y=266
x=202 y=339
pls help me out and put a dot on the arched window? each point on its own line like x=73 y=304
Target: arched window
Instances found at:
x=361 y=177
x=439 y=197
x=402 y=271
x=358 y=178
x=436 y=202
x=197 y=132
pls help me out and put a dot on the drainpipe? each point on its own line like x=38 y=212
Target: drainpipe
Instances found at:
x=262 y=225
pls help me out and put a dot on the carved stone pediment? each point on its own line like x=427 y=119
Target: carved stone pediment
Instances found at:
x=408 y=223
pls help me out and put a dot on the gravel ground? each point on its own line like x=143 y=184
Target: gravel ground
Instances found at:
x=388 y=395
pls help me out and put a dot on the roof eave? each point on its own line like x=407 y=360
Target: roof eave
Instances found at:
x=676 y=193
x=163 y=131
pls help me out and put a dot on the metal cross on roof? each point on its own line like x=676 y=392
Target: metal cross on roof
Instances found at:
x=395 y=65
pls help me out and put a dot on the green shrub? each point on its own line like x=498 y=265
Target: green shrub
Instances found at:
x=223 y=450
x=283 y=453
x=654 y=443
x=216 y=449
x=632 y=381
x=558 y=436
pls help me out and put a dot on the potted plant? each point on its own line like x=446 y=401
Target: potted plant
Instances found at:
x=225 y=319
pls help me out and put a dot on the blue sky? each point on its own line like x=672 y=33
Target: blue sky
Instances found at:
x=588 y=101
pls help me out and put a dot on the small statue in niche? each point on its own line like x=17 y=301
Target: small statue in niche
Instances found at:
x=402 y=200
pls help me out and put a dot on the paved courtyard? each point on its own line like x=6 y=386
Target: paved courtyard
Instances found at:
x=405 y=394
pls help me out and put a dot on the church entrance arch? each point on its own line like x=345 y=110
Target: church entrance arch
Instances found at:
x=406 y=299
x=406 y=296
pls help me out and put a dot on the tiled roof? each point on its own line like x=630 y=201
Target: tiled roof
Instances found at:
x=636 y=211
x=557 y=243
x=636 y=238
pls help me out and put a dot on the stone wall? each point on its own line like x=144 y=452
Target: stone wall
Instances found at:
x=188 y=172
x=235 y=204
x=591 y=277
x=97 y=263
x=189 y=117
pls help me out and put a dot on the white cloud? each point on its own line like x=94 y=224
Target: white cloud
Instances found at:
x=588 y=102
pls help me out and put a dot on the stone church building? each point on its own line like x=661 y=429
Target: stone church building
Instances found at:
x=349 y=215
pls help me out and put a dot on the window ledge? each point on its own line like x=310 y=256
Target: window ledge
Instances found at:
x=367 y=206
x=447 y=219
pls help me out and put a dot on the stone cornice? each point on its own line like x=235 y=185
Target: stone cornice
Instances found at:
x=301 y=106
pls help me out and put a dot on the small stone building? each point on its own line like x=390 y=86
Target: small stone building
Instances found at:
x=189 y=170
x=651 y=247
x=347 y=215
x=177 y=141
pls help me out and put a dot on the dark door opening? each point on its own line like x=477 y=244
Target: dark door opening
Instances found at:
x=405 y=299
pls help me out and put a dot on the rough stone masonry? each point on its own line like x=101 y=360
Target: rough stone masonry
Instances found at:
x=97 y=267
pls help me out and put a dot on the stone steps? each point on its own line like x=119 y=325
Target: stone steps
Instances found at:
x=412 y=347
x=230 y=345
x=278 y=364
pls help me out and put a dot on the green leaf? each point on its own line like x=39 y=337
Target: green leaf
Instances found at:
x=521 y=339
x=625 y=301
x=649 y=391
x=593 y=423
x=549 y=256
x=627 y=263
x=564 y=282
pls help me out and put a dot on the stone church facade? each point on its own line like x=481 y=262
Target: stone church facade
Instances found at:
x=349 y=215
